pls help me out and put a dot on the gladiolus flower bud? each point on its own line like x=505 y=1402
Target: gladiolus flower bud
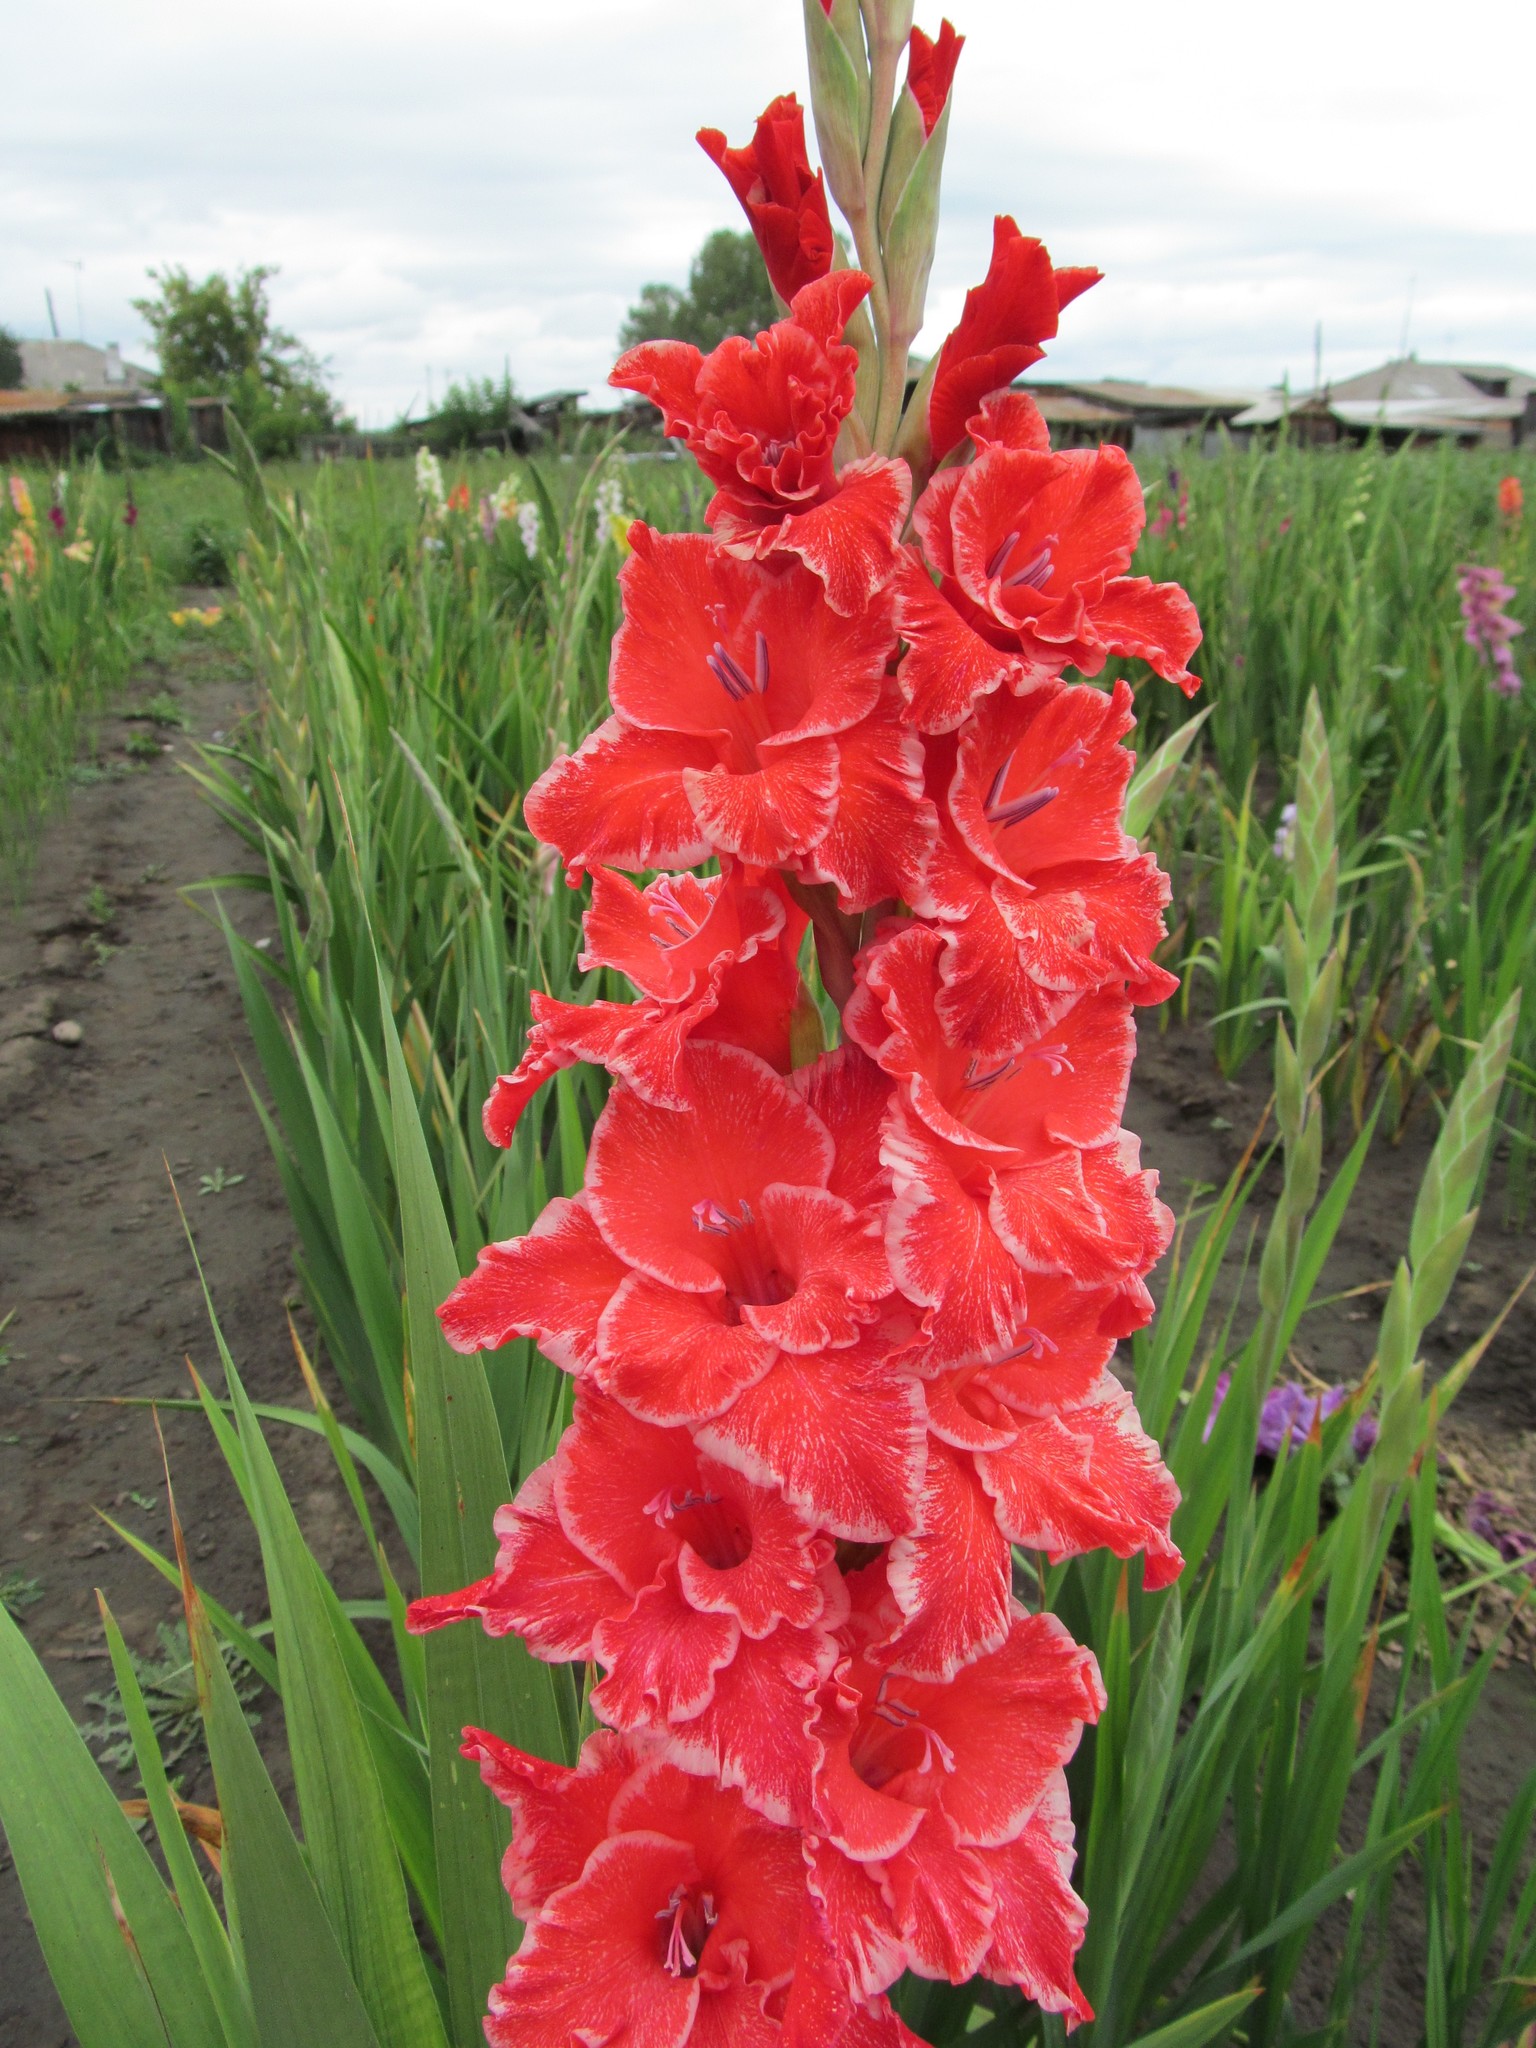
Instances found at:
x=839 y=69
x=783 y=198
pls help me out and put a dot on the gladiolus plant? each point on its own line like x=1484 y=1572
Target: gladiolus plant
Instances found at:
x=840 y=1317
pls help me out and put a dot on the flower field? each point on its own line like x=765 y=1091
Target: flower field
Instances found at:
x=873 y=1541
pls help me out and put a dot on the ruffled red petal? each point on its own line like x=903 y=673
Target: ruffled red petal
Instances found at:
x=551 y=1285
x=619 y=800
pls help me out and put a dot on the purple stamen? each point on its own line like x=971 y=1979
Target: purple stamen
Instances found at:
x=1000 y=560
x=975 y=1080
x=996 y=789
x=729 y=673
x=709 y=1216
x=762 y=664
x=1032 y=1343
x=676 y=1500
x=1022 y=807
x=1036 y=572
x=680 y=1957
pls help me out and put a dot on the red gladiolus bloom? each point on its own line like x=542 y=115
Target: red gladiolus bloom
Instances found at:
x=706 y=1599
x=931 y=71
x=935 y=1800
x=784 y=200
x=1036 y=887
x=714 y=1276
x=1030 y=547
x=748 y=719
x=1511 y=497
x=712 y=959
x=1005 y=319
x=458 y=498
x=761 y=418
x=1006 y=1171
x=659 y=1908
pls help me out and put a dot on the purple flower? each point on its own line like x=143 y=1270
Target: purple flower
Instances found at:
x=1494 y=1521
x=1289 y=1411
x=1487 y=628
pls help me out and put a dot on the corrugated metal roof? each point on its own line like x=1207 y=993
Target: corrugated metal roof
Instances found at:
x=1434 y=398
x=1133 y=398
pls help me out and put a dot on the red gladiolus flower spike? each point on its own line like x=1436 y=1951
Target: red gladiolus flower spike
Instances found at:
x=841 y=1325
x=784 y=200
x=761 y=418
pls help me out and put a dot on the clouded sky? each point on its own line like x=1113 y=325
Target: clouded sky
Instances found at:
x=450 y=187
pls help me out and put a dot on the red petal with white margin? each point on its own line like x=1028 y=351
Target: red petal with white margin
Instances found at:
x=1008 y=419
x=614 y=1478
x=833 y=1255
x=779 y=1578
x=732 y=2012
x=856 y=1919
x=752 y=1868
x=1064 y=737
x=953 y=1578
x=684 y=599
x=649 y=1170
x=551 y=1285
x=591 y=1967
x=843 y=1436
x=637 y=1042
x=945 y=1253
x=753 y=1733
x=1010 y=1721
x=850 y=541
x=1154 y=621
x=943 y=1902
x=769 y=817
x=619 y=800
x=862 y=1820
x=1085 y=1480
x=667 y=373
x=1058 y=1358
x=1089 y=923
x=661 y=1659
x=1090 y=1215
x=884 y=828
x=990 y=1000
x=1003 y=322
x=931 y=520
x=850 y=1094
x=946 y=667
x=558 y=1815
x=673 y=1358
x=1039 y=1921
x=668 y=937
x=542 y=1589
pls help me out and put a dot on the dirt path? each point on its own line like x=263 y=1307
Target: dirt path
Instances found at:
x=92 y=1257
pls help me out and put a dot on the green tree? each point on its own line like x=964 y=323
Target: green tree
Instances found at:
x=728 y=293
x=10 y=361
x=479 y=410
x=216 y=338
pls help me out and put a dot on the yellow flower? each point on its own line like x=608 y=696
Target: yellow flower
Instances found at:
x=211 y=616
x=21 y=498
x=179 y=618
x=80 y=551
x=619 y=528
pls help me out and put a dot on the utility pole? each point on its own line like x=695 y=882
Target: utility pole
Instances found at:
x=53 y=318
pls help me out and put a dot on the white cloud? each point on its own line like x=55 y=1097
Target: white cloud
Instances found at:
x=492 y=182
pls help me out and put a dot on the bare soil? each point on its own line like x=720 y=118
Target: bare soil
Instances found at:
x=94 y=1263
x=93 y=1260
